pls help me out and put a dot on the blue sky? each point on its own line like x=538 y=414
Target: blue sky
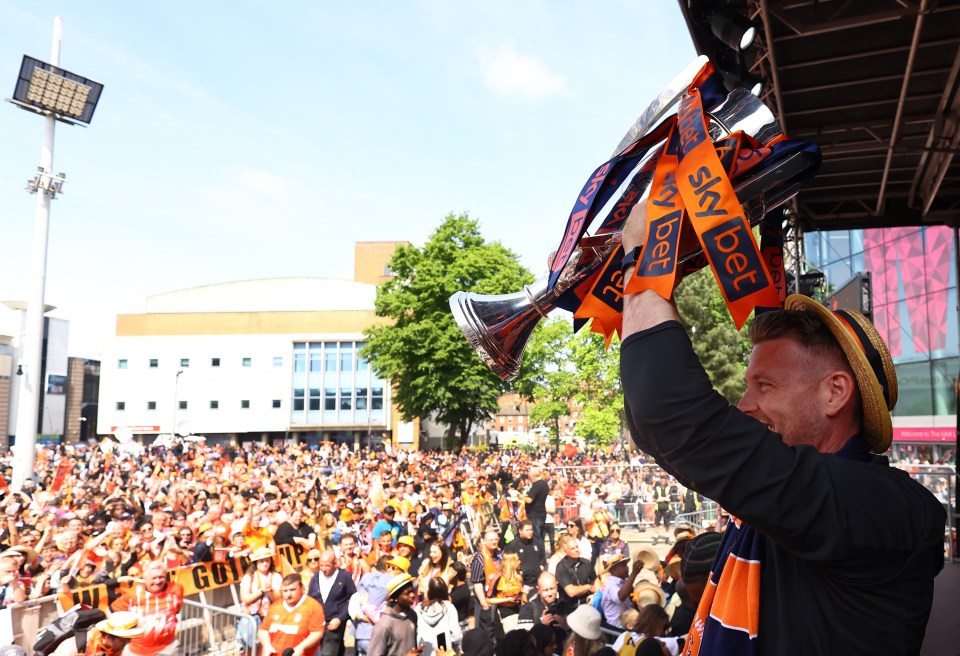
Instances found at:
x=248 y=139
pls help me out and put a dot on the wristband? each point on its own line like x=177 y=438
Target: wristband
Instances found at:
x=630 y=259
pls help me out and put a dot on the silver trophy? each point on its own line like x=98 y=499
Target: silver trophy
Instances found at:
x=498 y=326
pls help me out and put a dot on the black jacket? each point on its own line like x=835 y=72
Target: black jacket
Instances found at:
x=852 y=546
x=336 y=603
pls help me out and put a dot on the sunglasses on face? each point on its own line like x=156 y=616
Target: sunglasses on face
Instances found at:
x=313 y=560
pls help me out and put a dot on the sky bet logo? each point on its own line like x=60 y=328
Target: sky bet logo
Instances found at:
x=737 y=266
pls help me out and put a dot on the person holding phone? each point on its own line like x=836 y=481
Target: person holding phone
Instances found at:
x=438 y=625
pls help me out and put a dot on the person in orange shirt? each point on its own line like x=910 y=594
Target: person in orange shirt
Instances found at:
x=295 y=622
x=156 y=602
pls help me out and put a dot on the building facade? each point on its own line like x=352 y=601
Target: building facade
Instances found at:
x=258 y=360
x=914 y=306
x=54 y=377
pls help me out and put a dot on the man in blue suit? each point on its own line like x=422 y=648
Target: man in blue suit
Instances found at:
x=332 y=587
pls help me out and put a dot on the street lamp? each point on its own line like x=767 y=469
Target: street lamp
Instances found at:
x=176 y=402
x=57 y=95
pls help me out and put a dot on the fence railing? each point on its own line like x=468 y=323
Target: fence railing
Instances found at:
x=20 y=623
x=214 y=631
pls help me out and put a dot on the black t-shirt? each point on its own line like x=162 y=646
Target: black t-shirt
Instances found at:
x=286 y=532
x=538 y=493
x=460 y=598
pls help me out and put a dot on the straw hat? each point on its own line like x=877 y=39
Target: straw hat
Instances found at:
x=398 y=583
x=646 y=593
x=585 y=622
x=123 y=624
x=683 y=533
x=261 y=553
x=871 y=364
x=20 y=550
x=615 y=559
x=673 y=567
x=649 y=558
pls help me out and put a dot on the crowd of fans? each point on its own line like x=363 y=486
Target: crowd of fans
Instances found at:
x=508 y=550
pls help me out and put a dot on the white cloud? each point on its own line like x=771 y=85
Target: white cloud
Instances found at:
x=509 y=73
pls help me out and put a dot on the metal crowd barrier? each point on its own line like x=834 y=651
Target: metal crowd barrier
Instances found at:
x=941 y=480
x=20 y=623
x=214 y=631
x=208 y=627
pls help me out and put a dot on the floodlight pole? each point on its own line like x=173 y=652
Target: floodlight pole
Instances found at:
x=32 y=338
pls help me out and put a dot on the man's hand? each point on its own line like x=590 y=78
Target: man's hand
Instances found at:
x=547 y=618
x=635 y=228
x=334 y=624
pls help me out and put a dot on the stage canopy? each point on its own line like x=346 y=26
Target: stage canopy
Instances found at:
x=873 y=82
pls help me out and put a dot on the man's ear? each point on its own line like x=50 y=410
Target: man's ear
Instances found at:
x=838 y=389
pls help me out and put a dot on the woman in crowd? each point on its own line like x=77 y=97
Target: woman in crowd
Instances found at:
x=435 y=616
x=508 y=591
x=259 y=587
x=437 y=563
x=575 y=530
x=585 y=639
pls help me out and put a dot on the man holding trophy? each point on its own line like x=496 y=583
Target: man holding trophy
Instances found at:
x=833 y=551
x=829 y=550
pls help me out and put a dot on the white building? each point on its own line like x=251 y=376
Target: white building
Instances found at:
x=254 y=360
x=53 y=376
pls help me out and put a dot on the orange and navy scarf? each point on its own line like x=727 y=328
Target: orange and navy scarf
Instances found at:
x=728 y=617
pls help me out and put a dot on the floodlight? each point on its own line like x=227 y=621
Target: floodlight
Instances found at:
x=737 y=77
x=733 y=29
x=47 y=89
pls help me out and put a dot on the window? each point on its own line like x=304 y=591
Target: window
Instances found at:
x=151 y=405
x=297 y=399
x=346 y=357
x=122 y=364
x=183 y=405
x=184 y=362
x=314 y=403
x=278 y=362
x=154 y=363
x=276 y=403
x=214 y=405
x=121 y=405
x=299 y=362
x=346 y=402
x=214 y=362
x=314 y=360
x=330 y=398
x=245 y=404
x=247 y=362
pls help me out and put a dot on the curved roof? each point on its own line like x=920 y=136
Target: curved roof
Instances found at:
x=267 y=295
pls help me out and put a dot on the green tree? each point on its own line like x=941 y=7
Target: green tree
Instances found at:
x=558 y=367
x=421 y=350
x=722 y=350
x=546 y=376
x=598 y=387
